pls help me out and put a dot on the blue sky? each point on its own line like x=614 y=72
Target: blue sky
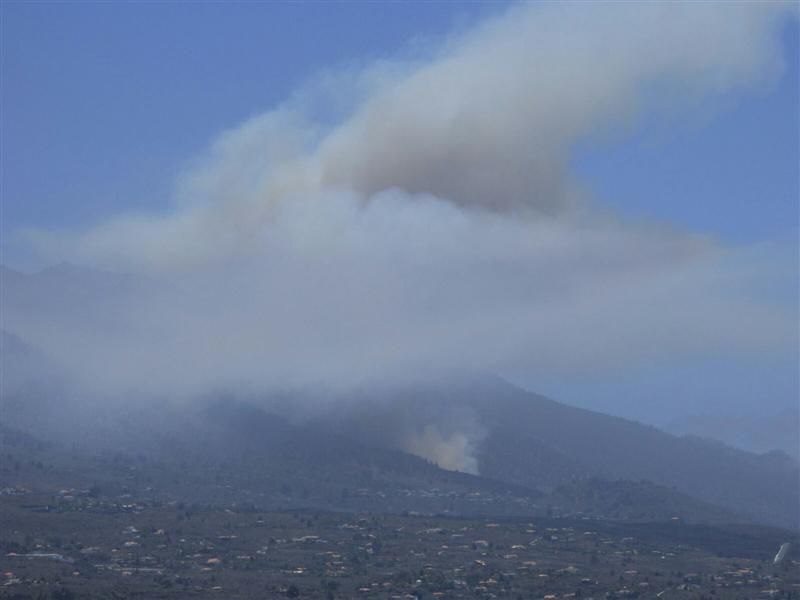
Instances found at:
x=104 y=104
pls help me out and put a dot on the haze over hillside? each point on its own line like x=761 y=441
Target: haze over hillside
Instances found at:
x=522 y=444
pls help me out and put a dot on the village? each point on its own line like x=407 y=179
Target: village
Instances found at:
x=78 y=543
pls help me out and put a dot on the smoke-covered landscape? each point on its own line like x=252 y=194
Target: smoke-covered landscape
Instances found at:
x=457 y=301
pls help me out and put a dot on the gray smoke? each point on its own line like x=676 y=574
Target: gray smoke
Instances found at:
x=454 y=451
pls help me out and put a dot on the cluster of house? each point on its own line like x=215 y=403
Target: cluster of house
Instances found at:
x=382 y=556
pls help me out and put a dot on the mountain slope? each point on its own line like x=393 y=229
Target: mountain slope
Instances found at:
x=534 y=441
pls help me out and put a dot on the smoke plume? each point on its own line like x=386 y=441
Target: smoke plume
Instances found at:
x=421 y=214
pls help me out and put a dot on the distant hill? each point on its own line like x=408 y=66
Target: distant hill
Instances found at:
x=755 y=433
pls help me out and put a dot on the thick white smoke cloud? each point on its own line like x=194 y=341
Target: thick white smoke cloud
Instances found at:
x=435 y=224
